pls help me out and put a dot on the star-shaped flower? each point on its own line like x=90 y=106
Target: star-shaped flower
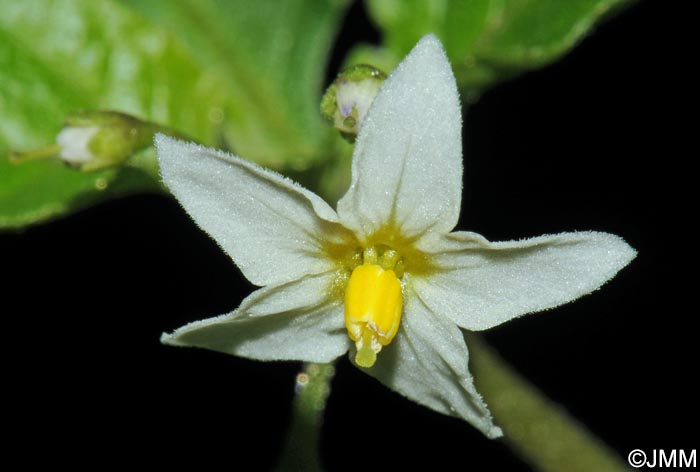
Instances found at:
x=383 y=276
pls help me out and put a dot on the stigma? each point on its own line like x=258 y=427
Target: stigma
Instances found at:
x=373 y=303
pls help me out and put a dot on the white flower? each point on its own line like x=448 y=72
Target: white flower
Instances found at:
x=386 y=263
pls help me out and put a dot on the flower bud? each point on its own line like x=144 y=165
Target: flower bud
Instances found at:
x=93 y=140
x=348 y=98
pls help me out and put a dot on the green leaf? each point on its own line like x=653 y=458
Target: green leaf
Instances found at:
x=273 y=56
x=486 y=40
x=37 y=191
x=221 y=72
x=58 y=57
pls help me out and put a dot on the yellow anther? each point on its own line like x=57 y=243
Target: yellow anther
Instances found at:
x=373 y=307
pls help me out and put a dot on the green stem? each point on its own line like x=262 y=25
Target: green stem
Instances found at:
x=302 y=449
x=46 y=152
x=535 y=428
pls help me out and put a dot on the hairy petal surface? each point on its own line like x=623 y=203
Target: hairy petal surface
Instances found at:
x=407 y=164
x=481 y=284
x=272 y=228
x=293 y=321
x=428 y=363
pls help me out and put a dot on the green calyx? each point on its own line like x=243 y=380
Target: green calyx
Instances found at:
x=119 y=136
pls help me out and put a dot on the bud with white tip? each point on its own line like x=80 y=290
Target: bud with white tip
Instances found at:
x=349 y=97
x=96 y=139
x=93 y=140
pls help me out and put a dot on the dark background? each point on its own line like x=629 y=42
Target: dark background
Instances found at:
x=595 y=142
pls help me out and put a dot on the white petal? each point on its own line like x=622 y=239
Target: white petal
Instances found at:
x=271 y=227
x=296 y=321
x=75 y=143
x=407 y=164
x=481 y=284
x=428 y=363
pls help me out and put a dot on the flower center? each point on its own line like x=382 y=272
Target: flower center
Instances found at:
x=373 y=302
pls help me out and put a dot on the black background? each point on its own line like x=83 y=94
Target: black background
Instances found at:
x=592 y=142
